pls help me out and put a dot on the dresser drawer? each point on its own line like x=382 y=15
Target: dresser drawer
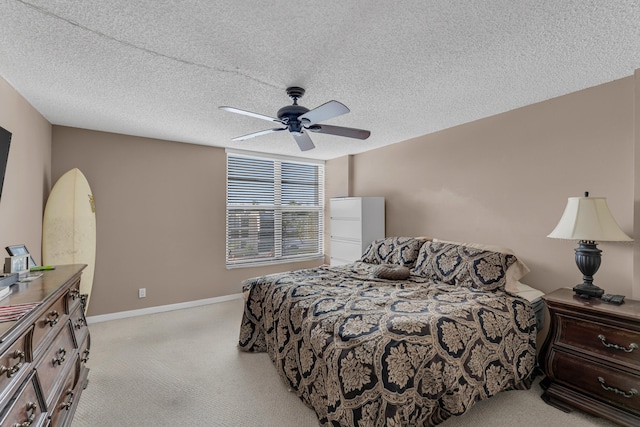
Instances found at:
x=24 y=407
x=614 y=386
x=346 y=229
x=616 y=344
x=59 y=358
x=79 y=324
x=14 y=358
x=73 y=298
x=47 y=324
x=64 y=403
x=346 y=208
x=84 y=348
x=345 y=251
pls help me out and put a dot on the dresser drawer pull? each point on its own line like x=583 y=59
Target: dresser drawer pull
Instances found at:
x=66 y=405
x=15 y=368
x=62 y=354
x=79 y=323
x=31 y=411
x=632 y=346
x=85 y=357
x=53 y=320
x=627 y=394
x=74 y=293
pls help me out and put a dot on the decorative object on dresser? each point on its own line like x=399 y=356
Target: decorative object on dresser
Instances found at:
x=17 y=264
x=355 y=223
x=592 y=357
x=21 y=250
x=44 y=346
x=588 y=220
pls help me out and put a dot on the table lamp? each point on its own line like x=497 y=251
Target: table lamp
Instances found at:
x=588 y=220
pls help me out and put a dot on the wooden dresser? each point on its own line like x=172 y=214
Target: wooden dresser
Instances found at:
x=591 y=357
x=43 y=354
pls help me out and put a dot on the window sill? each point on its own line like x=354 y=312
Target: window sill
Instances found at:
x=249 y=264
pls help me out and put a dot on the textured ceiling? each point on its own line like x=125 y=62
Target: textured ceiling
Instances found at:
x=406 y=68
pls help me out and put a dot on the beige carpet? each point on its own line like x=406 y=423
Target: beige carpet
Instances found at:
x=182 y=368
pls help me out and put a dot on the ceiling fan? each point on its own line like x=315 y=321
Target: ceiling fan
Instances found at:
x=298 y=119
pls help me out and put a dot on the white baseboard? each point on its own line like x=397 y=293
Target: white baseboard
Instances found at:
x=161 y=308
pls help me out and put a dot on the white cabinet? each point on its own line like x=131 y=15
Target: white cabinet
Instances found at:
x=355 y=222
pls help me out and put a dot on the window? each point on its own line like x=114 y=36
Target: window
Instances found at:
x=275 y=209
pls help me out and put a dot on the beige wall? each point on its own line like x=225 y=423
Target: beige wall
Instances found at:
x=160 y=215
x=504 y=180
x=28 y=175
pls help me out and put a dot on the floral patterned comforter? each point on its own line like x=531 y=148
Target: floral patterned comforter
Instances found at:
x=363 y=351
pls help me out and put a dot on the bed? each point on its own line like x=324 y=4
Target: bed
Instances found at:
x=414 y=332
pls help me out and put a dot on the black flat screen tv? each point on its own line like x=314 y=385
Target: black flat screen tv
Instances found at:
x=5 y=143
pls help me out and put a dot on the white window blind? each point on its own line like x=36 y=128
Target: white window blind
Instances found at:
x=275 y=210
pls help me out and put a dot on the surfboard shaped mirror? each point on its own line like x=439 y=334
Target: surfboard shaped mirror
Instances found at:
x=69 y=227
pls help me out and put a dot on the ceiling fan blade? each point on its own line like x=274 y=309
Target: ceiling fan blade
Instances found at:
x=303 y=140
x=324 y=112
x=250 y=114
x=254 y=134
x=341 y=131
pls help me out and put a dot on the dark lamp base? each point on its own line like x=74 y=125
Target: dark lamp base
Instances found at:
x=588 y=258
x=586 y=290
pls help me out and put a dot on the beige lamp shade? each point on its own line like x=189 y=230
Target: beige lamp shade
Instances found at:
x=589 y=219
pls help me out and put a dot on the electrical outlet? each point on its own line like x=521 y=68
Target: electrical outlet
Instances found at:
x=142 y=293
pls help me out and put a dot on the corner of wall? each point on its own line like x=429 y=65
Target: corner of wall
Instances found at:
x=635 y=288
x=350 y=176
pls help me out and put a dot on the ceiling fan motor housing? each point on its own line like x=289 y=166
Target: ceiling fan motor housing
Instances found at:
x=289 y=115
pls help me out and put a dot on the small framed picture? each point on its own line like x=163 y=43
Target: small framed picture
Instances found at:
x=17 y=264
x=21 y=250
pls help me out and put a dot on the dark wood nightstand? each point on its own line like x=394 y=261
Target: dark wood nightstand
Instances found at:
x=591 y=357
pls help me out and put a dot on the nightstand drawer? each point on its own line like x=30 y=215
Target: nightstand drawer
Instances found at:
x=616 y=387
x=621 y=345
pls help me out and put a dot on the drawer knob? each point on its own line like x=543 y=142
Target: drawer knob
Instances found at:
x=66 y=405
x=62 y=354
x=31 y=415
x=52 y=319
x=79 y=323
x=15 y=368
x=632 y=346
x=627 y=394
